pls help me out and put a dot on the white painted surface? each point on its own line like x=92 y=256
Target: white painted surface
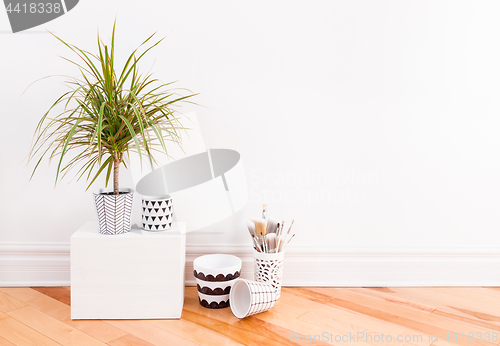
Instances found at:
x=127 y=276
x=192 y=142
x=373 y=124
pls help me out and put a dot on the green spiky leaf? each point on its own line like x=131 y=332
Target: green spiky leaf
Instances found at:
x=105 y=113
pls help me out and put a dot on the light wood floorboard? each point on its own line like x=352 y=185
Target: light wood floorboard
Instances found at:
x=98 y=329
x=303 y=315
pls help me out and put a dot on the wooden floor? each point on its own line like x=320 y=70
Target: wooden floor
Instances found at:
x=307 y=316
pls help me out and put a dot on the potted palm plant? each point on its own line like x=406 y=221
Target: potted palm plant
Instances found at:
x=105 y=114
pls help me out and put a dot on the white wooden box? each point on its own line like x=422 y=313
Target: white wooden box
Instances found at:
x=127 y=276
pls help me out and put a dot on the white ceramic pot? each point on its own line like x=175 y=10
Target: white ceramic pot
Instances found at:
x=269 y=268
x=157 y=213
x=215 y=275
x=114 y=211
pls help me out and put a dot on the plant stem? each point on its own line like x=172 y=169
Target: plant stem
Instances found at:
x=116 y=175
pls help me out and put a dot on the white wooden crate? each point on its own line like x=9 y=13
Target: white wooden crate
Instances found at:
x=127 y=276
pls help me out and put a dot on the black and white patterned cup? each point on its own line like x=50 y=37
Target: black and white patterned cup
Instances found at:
x=269 y=268
x=251 y=297
x=215 y=275
x=157 y=213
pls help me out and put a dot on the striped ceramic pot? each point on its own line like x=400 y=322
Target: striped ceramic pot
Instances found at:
x=215 y=275
x=114 y=211
x=157 y=213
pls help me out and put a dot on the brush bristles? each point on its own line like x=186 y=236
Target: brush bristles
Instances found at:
x=272 y=226
x=271 y=242
x=251 y=228
x=264 y=207
x=268 y=235
x=260 y=228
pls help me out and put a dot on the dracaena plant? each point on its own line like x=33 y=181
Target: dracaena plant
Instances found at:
x=106 y=113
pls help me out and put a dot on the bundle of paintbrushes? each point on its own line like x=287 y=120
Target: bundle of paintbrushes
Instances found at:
x=268 y=234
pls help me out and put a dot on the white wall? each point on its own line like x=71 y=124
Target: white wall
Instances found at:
x=373 y=124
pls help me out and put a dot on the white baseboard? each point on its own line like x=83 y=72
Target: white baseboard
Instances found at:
x=34 y=264
x=47 y=264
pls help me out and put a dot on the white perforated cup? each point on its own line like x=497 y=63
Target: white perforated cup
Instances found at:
x=269 y=268
x=250 y=297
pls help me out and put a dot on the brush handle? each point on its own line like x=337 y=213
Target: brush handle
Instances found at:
x=288 y=241
x=287 y=233
x=278 y=235
x=260 y=244
x=284 y=242
x=280 y=230
x=264 y=243
x=280 y=246
x=256 y=243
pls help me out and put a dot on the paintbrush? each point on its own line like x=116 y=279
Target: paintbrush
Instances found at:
x=278 y=234
x=251 y=230
x=264 y=211
x=272 y=226
x=287 y=233
x=271 y=243
x=293 y=235
x=283 y=239
x=260 y=231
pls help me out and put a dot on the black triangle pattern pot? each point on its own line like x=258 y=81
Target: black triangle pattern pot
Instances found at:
x=157 y=213
x=114 y=211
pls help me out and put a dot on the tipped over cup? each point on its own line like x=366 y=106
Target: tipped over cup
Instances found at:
x=251 y=297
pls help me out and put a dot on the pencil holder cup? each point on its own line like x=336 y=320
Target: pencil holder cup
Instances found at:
x=157 y=213
x=269 y=268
